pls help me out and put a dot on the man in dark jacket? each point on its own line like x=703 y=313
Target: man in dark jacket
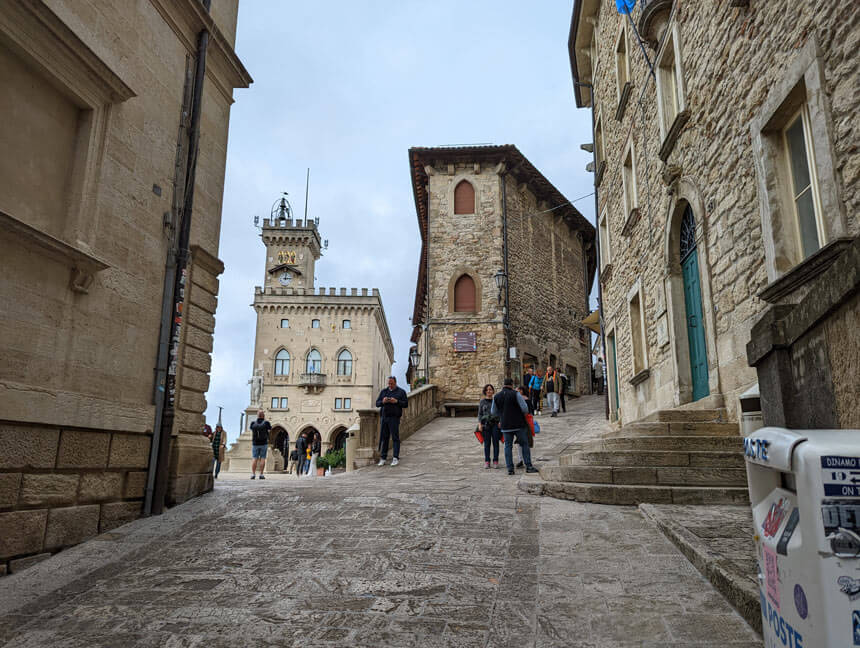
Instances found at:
x=511 y=409
x=302 y=448
x=392 y=400
x=259 y=443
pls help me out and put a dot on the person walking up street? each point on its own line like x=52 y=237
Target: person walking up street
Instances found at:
x=392 y=400
x=534 y=390
x=219 y=443
x=489 y=426
x=316 y=448
x=294 y=462
x=511 y=409
x=259 y=444
x=550 y=387
x=529 y=436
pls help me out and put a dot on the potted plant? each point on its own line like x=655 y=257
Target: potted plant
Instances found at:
x=322 y=464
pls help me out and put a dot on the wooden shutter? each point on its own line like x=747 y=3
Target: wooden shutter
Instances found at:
x=464 y=198
x=464 y=295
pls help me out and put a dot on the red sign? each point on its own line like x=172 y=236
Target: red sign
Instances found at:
x=465 y=342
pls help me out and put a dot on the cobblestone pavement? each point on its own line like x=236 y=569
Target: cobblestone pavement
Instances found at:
x=434 y=552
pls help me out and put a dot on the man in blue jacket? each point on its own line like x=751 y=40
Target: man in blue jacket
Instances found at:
x=392 y=400
x=511 y=409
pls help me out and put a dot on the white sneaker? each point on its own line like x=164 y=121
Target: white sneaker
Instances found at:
x=381 y=462
x=395 y=461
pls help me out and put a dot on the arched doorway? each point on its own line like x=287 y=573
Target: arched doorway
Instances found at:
x=281 y=440
x=338 y=439
x=693 y=305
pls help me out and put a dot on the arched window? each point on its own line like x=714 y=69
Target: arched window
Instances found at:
x=464 y=295
x=314 y=363
x=282 y=363
x=344 y=363
x=464 y=198
x=688 y=233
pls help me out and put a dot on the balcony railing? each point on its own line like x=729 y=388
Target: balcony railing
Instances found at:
x=312 y=381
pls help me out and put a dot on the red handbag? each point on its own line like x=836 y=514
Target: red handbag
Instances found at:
x=531 y=422
x=479 y=436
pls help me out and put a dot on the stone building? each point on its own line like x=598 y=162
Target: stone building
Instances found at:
x=726 y=181
x=319 y=354
x=488 y=218
x=100 y=121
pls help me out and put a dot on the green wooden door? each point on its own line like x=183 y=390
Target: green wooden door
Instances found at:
x=693 y=304
x=614 y=371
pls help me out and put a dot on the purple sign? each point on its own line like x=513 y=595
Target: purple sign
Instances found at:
x=800 y=602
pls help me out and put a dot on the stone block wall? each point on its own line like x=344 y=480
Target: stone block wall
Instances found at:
x=60 y=486
x=548 y=295
x=82 y=290
x=732 y=57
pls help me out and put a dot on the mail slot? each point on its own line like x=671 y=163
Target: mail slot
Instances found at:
x=805 y=496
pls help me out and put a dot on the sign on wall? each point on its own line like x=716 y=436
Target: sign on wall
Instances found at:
x=465 y=342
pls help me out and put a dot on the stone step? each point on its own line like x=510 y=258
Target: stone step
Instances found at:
x=638 y=475
x=676 y=429
x=664 y=443
x=633 y=495
x=654 y=458
x=686 y=416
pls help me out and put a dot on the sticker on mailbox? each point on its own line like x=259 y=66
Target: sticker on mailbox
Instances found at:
x=840 y=476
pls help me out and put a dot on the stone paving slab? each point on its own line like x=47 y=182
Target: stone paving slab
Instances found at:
x=718 y=542
x=437 y=551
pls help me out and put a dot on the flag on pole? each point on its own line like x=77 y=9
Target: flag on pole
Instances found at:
x=625 y=6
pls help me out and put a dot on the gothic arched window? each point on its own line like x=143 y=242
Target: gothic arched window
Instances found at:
x=344 y=363
x=464 y=295
x=464 y=198
x=314 y=362
x=688 y=233
x=282 y=363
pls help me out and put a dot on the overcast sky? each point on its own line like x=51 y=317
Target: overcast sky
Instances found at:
x=345 y=87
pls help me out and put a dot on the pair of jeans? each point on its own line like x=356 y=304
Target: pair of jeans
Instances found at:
x=217 y=466
x=552 y=401
x=534 y=396
x=389 y=429
x=521 y=437
x=306 y=466
x=491 y=435
x=563 y=406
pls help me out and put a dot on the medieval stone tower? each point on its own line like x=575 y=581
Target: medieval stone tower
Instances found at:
x=505 y=271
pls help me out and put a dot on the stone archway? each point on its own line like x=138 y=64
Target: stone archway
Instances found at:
x=337 y=438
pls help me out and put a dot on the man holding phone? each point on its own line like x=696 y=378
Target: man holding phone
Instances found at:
x=392 y=400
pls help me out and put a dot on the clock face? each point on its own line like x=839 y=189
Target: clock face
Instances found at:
x=286 y=278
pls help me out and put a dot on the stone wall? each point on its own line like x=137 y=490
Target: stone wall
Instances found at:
x=731 y=59
x=548 y=295
x=82 y=288
x=424 y=405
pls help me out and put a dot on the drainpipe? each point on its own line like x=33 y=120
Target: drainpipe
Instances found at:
x=172 y=304
x=597 y=253
x=506 y=321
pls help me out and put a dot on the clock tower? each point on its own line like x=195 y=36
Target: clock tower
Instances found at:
x=292 y=249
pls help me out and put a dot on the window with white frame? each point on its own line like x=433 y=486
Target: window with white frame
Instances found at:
x=805 y=203
x=342 y=403
x=636 y=313
x=628 y=179
x=670 y=81
x=280 y=403
x=344 y=363
x=605 y=249
x=285 y=402
x=314 y=362
x=282 y=363
x=622 y=60
x=285 y=323
x=793 y=137
x=275 y=403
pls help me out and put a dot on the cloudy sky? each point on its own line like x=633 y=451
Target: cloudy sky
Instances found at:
x=345 y=87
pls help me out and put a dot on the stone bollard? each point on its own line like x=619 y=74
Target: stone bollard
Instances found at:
x=351 y=443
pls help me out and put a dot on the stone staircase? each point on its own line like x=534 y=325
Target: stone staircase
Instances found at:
x=671 y=457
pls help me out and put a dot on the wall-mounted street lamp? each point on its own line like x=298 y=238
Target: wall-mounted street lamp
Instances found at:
x=501 y=280
x=414 y=357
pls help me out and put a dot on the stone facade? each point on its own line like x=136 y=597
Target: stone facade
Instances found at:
x=92 y=137
x=705 y=134
x=295 y=317
x=549 y=258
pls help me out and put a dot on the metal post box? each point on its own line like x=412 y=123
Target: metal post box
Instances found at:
x=805 y=496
